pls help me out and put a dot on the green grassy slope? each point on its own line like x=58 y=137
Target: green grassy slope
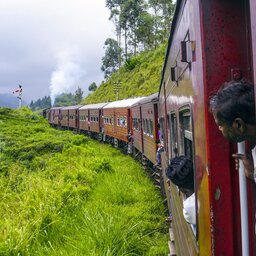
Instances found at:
x=64 y=194
x=141 y=77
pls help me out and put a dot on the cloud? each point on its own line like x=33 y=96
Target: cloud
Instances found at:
x=48 y=46
x=68 y=74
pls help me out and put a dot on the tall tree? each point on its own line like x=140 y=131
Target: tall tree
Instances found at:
x=133 y=9
x=110 y=62
x=145 y=31
x=115 y=7
x=78 y=95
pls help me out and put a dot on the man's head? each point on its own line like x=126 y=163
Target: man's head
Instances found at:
x=233 y=109
x=181 y=173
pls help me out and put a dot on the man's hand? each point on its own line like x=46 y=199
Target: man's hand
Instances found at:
x=248 y=164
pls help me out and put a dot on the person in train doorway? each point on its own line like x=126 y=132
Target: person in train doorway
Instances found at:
x=160 y=146
x=181 y=173
x=130 y=142
x=233 y=109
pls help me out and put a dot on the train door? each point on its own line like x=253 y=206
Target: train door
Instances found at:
x=141 y=131
x=169 y=137
x=100 y=120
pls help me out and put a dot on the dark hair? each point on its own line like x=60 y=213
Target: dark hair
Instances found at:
x=234 y=99
x=180 y=172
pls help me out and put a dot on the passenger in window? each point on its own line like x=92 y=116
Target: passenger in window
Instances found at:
x=233 y=108
x=180 y=172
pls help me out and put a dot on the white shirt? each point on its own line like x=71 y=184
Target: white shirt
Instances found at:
x=254 y=162
x=189 y=209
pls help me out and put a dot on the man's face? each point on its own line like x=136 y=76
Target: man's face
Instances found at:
x=229 y=132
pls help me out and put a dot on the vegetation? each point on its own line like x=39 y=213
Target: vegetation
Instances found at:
x=140 y=76
x=43 y=103
x=143 y=25
x=64 y=99
x=63 y=194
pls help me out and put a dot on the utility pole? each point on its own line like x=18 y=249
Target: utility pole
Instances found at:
x=19 y=97
x=117 y=87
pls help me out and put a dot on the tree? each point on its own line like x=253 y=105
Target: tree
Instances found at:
x=115 y=7
x=78 y=95
x=92 y=87
x=110 y=62
x=132 y=9
x=65 y=99
x=145 y=31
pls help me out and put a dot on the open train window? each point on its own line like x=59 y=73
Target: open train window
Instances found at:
x=173 y=135
x=151 y=127
x=162 y=130
x=186 y=142
x=186 y=138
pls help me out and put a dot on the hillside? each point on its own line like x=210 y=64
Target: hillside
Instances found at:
x=64 y=194
x=140 y=77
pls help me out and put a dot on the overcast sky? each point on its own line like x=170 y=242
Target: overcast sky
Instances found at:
x=52 y=46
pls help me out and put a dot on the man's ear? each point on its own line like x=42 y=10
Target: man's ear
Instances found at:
x=238 y=125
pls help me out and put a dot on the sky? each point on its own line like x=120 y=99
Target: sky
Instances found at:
x=52 y=46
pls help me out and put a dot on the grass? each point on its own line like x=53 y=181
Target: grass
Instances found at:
x=64 y=194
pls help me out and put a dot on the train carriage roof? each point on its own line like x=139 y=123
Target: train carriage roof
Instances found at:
x=150 y=98
x=93 y=106
x=71 y=107
x=123 y=103
x=56 y=108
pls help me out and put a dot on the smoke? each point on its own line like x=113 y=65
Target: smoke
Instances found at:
x=68 y=74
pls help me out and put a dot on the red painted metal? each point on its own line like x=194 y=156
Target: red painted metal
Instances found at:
x=221 y=51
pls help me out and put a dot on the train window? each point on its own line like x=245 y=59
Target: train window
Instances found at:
x=162 y=130
x=147 y=127
x=144 y=125
x=186 y=138
x=186 y=141
x=151 y=127
x=124 y=121
x=174 y=135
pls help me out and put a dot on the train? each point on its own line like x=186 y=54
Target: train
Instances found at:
x=210 y=42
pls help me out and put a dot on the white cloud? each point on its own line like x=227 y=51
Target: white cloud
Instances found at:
x=55 y=44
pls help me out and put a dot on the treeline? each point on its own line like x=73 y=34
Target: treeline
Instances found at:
x=139 y=25
x=64 y=99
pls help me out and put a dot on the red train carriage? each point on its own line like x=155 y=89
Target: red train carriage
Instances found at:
x=209 y=44
x=54 y=116
x=90 y=118
x=69 y=116
x=117 y=119
x=64 y=117
x=144 y=126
